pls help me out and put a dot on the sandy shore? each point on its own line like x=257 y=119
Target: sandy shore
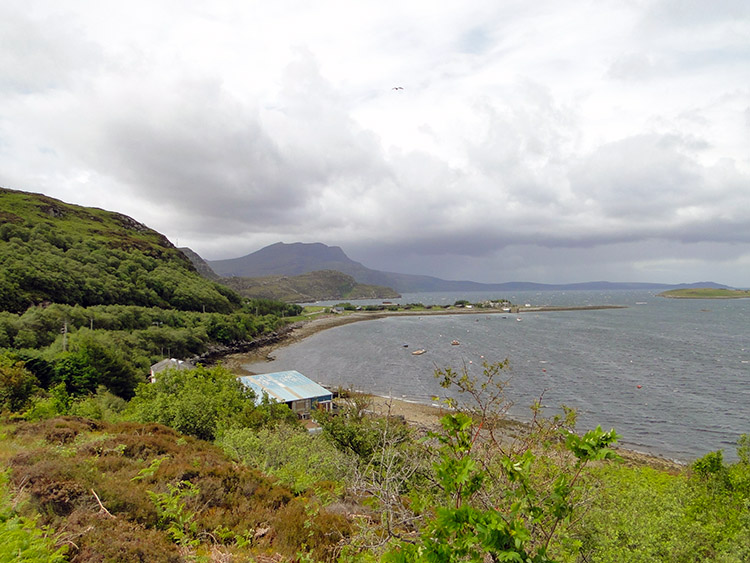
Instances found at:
x=418 y=414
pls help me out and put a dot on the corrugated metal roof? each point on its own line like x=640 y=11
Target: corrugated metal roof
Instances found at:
x=286 y=386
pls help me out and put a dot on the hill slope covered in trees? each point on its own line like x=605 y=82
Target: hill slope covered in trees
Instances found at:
x=51 y=251
x=92 y=298
x=321 y=285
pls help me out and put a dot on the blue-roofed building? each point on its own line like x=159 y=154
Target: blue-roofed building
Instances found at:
x=290 y=387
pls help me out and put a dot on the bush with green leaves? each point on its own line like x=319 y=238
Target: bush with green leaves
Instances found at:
x=114 y=345
x=466 y=527
x=500 y=500
x=296 y=457
x=17 y=384
x=353 y=430
x=48 y=404
x=102 y=405
x=198 y=402
x=653 y=516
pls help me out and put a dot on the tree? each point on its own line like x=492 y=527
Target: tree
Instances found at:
x=198 y=402
x=74 y=371
x=17 y=384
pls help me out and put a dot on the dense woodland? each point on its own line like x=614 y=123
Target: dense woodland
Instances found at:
x=101 y=465
x=90 y=298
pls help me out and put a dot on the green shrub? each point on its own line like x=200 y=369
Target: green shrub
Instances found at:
x=17 y=384
x=294 y=456
x=710 y=464
x=103 y=405
x=643 y=514
x=197 y=402
x=54 y=403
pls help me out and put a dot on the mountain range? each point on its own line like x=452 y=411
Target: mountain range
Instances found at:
x=55 y=252
x=300 y=258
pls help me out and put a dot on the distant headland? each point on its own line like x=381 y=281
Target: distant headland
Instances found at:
x=706 y=293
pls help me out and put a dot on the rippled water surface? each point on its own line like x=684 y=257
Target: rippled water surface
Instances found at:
x=691 y=359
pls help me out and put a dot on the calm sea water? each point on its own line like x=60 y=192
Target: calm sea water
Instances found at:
x=691 y=359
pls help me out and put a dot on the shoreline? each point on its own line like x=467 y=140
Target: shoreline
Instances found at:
x=300 y=330
x=415 y=413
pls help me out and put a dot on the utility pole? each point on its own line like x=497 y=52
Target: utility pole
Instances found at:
x=65 y=336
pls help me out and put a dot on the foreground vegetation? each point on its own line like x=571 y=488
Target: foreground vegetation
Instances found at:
x=191 y=469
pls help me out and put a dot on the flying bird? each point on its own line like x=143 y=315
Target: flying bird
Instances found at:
x=397 y=88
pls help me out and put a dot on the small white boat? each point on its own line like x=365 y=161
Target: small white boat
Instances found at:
x=418 y=352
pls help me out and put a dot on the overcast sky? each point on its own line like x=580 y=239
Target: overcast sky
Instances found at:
x=547 y=141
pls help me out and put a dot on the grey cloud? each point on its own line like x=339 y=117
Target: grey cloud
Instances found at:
x=496 y=186
x=219 y=161
x=644 y=176
x=526 y=139
x=650 y=185
x=639 y=190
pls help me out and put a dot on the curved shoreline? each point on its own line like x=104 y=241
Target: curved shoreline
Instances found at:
x=302 y=329
x=415 y=413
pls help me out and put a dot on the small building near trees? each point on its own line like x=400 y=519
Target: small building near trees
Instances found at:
x=169 y=363
x=292 y=388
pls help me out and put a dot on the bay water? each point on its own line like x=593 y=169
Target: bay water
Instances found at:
x=670 y=375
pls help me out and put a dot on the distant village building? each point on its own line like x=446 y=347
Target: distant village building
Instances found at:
x=169 y=363
x=292 y=388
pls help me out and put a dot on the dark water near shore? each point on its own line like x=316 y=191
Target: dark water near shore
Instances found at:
x=690 y=357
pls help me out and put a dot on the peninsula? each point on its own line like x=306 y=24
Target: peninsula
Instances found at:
x=706 y=293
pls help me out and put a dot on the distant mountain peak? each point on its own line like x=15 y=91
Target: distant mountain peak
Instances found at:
x=290 y=259
x=294 y=259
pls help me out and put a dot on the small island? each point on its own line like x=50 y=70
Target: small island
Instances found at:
x=706 y=293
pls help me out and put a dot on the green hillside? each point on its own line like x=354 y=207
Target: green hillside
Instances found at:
x=55 y=252
x=90 y=298
x=314 y=286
